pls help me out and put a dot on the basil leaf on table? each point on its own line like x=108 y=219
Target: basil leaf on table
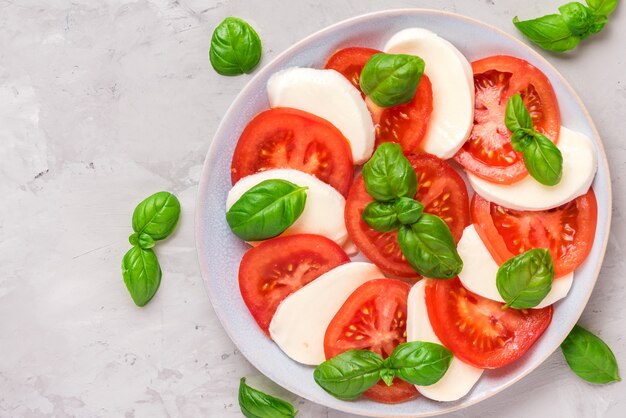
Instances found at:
x=516 y=116
x=381 y=216
x=543 y=160
x=524 y=281
x=602 y=7
x=419 y=363
x=157 y=215
x=578 y=18
x=349 y=374
x=589 y=357
x=550 y=32
x=391 y=79
x=142 y=274
x=142 y=240
x=266 y=210
x=429 y=248
x=256 y=404
x=408 y=210
x=235 y=47
x=389 y=174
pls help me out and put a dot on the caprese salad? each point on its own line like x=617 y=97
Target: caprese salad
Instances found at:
x=469 y=203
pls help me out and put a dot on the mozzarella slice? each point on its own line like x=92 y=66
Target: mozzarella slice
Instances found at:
x=453 y=88
x=329 y=95
x=480 y=270
x=460 y=377
x=323 y=211
x=579 y=168
x=300 y=322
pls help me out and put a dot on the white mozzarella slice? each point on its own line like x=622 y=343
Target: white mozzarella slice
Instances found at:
x=451 y=76
x=480 y=270
x=323 y=211
x=329 y=95
x=460 y=377
x=300 y=322
x=579 y=168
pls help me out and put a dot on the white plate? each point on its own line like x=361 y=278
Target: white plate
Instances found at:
x=219 y=251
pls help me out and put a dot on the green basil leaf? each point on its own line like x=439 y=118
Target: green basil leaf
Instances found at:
x=142 y=274
x=408 y=210
x=381 y=216
x=141 y=240
x=266 y=210
x=157 y=215
x=387 y=375
x=349 y=374
x=235 y=47
x=391 y=79
x=420 y=363
x=598 y=24
x=517 y=116
x=589 y=357
x=389 y=174
x=578 y=18
x=550 y=32
x=543 y=160
x=524 y=281
x=429 y=247
x=521 y=138
x=602 y=7
x=256 y=404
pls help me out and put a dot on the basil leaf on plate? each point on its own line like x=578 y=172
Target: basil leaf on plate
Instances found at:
x=381 y=216
x=389 y=174
x=157 y=215
x=516 y=116
x=524 y=281
x=266 y=210
x=550 y=32
x=589 y=357
x=408 y=210
x=602 y=7
x=521 y=138
x=578 y=18
x=429 y=248
x=235 y=47
x=256 y=404
x=419 y=363
x=142 y=274
x=387 y=375
x=142 y=240
x=543 y=160
x=349 y=374
x=391 y=79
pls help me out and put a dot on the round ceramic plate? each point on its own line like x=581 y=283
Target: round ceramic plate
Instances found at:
x=219 y=251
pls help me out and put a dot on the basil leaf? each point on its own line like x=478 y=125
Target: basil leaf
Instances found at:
x=235 y=47
x=602 y=7
x=157 y=215
x=381 y=216
x=349 y=374
x=256 y=404
x=524 y=280
x=388 y=174
x=517 y=116
x=589 y=357
x=578 y=18
x=429 y=247
x=543 y=160
x=266 y=210
x=598 y=24
x=142 y=240
x=521 y=138
x=391 y=79
x=387 y=375
x=408 y=210
x=550 y=32
x=142 y=274
x=420 y=363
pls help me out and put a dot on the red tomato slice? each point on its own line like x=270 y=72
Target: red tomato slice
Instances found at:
x=278 y=267
x=405 y=124
x=442 y=192
x=477 y=330
x=488 y=152
x=291 y=138
x=567 y=231
x=373 y=318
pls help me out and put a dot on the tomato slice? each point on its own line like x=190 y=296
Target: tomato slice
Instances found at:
x=488 y=152
x=405 y=124
x=440 y=189
x=278 y=267
x=291 y=138
x=567 y=231
x=477 y=330
x=373 y=318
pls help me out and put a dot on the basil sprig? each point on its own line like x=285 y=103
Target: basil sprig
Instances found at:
x=235 y=47
x=351 y=373
x=391 y=79
x=524 y=281
x=542 y=158
x=564 y=31
x=589 y=357
x=256 y=404
x=266 y=210
x=388 y=216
